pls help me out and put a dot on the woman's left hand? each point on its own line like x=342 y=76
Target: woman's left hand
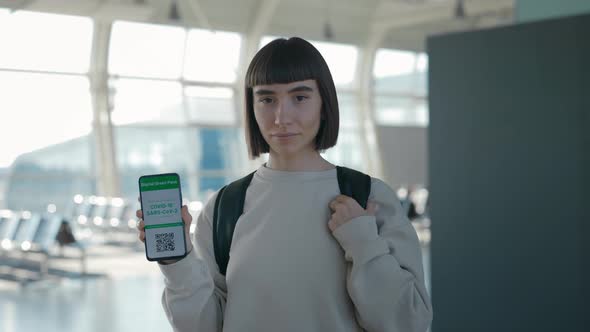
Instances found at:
x=345 y=208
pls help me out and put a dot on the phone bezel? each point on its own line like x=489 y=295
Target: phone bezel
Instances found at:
x=183 y=227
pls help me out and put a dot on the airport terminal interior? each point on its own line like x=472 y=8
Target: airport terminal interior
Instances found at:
x=96 y=93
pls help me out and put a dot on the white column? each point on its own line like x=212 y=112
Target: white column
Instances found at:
x=367 y=127
x=105 y=161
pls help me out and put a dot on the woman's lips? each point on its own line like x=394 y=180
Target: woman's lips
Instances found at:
x=284 y=137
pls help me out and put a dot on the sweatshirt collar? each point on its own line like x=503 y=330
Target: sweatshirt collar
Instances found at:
x=294 y=176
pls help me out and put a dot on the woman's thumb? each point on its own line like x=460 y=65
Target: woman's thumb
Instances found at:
x=372 y=208
x=186 y=216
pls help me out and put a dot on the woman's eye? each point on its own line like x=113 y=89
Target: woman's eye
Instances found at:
x=300 y=98
x=265 y=100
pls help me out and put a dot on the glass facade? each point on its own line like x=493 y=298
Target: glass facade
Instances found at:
x=172 y=96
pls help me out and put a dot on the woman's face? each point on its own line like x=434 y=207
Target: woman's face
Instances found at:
x=288 y=115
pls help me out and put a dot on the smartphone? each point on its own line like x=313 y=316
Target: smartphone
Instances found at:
x=161 y=202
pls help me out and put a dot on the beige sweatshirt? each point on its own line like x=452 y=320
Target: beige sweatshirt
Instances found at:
x=288 y=272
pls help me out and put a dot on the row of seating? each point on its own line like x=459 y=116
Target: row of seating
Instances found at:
x=28 y=231
x=109 y=219
x=87 y=221
x=23 y=233
x=102 y=214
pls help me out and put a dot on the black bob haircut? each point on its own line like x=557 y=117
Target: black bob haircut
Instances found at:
x=286 y=61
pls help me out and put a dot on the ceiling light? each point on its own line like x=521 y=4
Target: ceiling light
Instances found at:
x=173 y=14
x=460 y=9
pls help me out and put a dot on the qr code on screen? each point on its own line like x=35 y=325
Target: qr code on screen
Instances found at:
x=165 y=242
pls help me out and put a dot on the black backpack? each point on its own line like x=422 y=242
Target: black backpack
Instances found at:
x=229 y=206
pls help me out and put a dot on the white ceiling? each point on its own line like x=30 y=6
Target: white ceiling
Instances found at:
x=405 y=23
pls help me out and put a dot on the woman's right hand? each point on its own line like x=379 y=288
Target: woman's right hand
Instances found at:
x=186 y=219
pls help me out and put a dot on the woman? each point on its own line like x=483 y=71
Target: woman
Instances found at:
x=303 y=256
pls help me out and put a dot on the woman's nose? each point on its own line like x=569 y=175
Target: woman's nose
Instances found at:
x=282 y=114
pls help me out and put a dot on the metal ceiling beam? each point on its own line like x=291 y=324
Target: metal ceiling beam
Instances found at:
x=391 y=15
x=199 y=13
x=98 y=9
x=260 y=23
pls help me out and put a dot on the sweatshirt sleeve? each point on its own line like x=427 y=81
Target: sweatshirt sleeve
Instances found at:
x=195 y=292
x=385 y=277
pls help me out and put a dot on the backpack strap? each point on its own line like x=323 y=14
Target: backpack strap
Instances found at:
x=229 y=205
x=354 y=184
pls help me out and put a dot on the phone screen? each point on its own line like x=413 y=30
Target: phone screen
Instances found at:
x=161 y=203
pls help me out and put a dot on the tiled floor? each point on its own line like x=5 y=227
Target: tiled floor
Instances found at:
x=126 y=297
x=130 y=304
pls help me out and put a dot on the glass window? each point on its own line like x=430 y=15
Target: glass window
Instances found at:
x=397 y=111
x=152 y=150
x=422 y=113
x=46 y=121
x=400 y=72
x=146 y=101
x=401 y=88
x=348 y=105
x=40 y=110
x=210 y=105
x=422 y=62
x=4 y=176
x=4 y=13
x=146 y=50
x=342 y=60
x=347 y=151
x=205 y=158
x=52 y=175
x=212 y=56
x=39 y=41
x=422 y=75
x=393 y=63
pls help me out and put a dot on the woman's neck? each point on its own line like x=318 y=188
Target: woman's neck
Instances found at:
x=311 y=162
